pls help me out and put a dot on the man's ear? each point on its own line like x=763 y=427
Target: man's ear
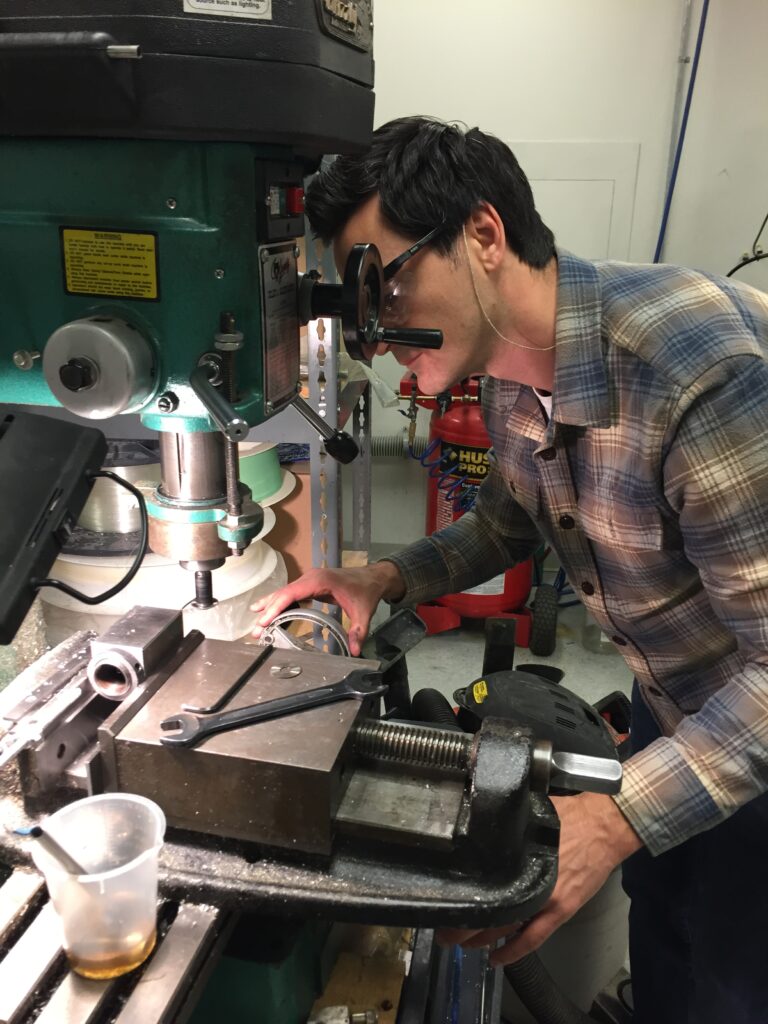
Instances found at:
x=486 y=236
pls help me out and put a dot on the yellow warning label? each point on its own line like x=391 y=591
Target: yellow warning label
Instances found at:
x=117 y=264
x=480 y=691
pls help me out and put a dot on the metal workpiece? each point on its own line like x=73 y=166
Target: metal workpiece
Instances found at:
x=280 y=637
x=219 y=408
x=578 y=773
x=132 y=648
x=99 y=367
x=284 y=779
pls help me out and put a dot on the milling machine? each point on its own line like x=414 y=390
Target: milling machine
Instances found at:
x=152 y=163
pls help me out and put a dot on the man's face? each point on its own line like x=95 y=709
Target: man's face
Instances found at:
x=431 y=291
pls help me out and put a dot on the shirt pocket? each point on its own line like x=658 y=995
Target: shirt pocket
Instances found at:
x=621 y=525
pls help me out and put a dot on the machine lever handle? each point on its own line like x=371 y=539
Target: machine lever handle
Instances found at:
x=226 y=418
x=413 y=337
x=55 y=42
x=338 y=444
x=578 y=773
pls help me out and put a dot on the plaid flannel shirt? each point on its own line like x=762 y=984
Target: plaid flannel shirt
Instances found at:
x=651 y=484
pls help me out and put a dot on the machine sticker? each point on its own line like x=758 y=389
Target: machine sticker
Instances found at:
x=480 y=691
x=351 y=21
x=115 y=264
x=280 y=323
x=256 y=9
x=491 y=588
x=466 y=466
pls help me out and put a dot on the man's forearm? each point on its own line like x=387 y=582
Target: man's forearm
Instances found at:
x=390 y=579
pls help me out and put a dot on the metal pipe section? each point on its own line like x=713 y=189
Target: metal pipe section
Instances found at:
x=192 y=466
x=683 y=60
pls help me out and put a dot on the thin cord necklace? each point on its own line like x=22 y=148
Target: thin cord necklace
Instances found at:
x=491 y=324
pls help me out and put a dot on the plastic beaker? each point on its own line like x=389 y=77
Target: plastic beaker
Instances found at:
x=109 y=914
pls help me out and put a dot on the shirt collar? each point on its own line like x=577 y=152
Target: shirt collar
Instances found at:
x=581 y=384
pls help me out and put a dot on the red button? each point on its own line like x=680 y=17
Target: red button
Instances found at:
x=294 y=201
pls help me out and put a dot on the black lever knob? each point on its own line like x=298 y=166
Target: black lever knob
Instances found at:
x=341 y=447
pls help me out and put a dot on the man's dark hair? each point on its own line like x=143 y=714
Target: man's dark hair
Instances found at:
x=426 y=173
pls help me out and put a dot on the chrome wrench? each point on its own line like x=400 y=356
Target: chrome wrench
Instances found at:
x=186 y=729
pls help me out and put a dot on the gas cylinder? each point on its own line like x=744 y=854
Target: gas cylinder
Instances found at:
x=458 y=462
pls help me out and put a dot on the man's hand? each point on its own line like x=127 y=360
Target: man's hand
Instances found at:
x=358 y=592
x=595 y=837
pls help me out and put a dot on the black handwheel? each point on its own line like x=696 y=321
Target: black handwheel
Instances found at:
x=544 y=625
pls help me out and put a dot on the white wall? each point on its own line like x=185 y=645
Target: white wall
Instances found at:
x=722 y=189
x=584 y=93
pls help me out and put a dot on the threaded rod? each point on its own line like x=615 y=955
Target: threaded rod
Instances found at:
x=413 y=744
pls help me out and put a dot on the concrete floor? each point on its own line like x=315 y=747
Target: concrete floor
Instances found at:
x=449 y=660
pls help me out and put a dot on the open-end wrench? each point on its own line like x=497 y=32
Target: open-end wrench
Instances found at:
x=185 y=729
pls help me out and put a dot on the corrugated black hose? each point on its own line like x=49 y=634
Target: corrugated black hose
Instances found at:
x=431 y=706
x=532 y=982
x=537 y=991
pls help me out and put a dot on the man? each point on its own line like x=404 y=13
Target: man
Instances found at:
x=628 y=409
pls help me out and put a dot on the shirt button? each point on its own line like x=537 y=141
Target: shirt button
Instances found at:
x=549 y=454
x=619 y=640
x=587 y=588
x=567 y=522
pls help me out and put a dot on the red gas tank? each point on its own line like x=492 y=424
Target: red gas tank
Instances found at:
x=457 y=460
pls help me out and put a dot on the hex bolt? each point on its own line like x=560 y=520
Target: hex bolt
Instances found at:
x=218 y=273
x=228 y=338
x=171 y=203
x=78 y=374
x=168 y=402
